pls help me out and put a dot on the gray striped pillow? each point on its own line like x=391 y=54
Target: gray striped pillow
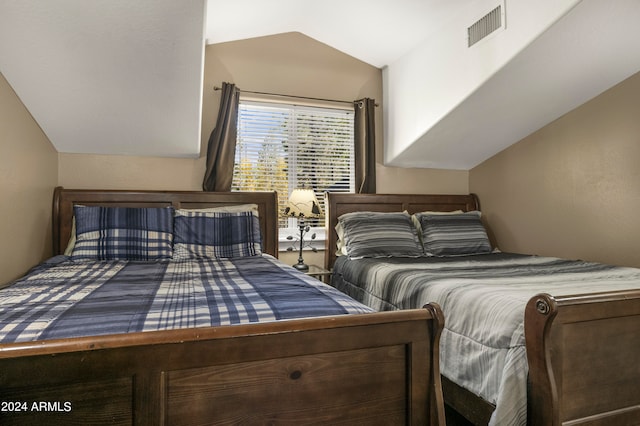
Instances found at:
x=375 y=234
x=454 y=234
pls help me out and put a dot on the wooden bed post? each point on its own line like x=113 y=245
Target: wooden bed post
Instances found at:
x=543 y=395
x=436 y=396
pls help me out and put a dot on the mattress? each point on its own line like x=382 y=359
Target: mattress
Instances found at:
x=483 y=298
x=62 y=298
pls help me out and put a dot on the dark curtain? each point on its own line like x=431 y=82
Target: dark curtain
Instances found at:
x=221 y=148
x=365 y=145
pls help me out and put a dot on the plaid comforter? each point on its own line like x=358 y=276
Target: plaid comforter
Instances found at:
x=61 y=298
x=483 y=298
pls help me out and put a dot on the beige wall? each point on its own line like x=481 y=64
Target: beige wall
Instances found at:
x=28 y=175
x=83 y=171
x=571 y=189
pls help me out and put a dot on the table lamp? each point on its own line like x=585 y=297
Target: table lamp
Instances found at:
x=302 y=204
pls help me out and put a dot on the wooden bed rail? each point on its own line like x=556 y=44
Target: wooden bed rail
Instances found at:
x=378 y=368
x=584 y=359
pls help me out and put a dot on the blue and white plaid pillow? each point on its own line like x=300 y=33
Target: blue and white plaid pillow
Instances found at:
x=215 y=235
x=123 y=233
x=454 y=234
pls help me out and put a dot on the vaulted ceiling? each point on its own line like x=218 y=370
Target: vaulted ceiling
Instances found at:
x=125 y=77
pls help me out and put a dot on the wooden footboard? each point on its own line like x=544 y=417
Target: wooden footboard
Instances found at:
x=584 y=359
x=379 y=368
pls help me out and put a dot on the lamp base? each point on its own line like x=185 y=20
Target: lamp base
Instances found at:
x=301 y=267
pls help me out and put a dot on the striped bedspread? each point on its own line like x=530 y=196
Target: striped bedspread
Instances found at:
x=61 y=299
x=483 y=298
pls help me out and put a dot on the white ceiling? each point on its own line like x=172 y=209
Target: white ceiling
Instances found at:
x=108 y=76
x=377 y=32
x=125 y=77
x=589 y=49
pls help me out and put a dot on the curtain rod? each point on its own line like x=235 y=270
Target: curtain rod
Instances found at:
x=292 y=96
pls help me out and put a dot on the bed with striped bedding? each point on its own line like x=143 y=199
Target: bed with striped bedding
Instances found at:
x=483 y=298
x=564 y=335
x=64 y=298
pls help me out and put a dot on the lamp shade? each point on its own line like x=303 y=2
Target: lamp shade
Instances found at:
x=303 y=202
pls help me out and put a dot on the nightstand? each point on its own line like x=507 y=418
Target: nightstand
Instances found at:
x=319 y=273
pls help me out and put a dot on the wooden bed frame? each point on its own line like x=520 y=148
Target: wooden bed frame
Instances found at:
x=583 y=351
x=379 y=368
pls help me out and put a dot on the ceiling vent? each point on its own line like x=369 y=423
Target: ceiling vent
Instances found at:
x=486 y=25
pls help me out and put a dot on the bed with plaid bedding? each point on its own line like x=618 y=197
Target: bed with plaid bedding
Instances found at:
x=62 y=298
x=483 y=297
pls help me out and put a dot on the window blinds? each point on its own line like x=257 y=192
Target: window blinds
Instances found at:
x=282 y=147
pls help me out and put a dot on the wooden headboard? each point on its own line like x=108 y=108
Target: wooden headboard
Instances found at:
x=338 y=204
x=64 y=200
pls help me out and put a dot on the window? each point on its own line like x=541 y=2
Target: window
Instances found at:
x=281 y=147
